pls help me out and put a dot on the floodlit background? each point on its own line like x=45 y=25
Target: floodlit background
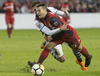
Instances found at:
x=83 y=13
x=24 y=44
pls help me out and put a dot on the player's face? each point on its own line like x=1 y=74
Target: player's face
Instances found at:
x=34 y=8
x=65 y=1
x=41 y=12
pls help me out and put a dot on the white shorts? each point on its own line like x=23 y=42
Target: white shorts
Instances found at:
x=57 y=51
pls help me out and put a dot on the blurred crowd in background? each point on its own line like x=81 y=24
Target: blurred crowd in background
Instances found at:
x=74 y=6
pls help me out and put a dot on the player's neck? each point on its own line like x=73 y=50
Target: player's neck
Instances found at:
x=45 y=17
x=8 y=1
x=65 y=2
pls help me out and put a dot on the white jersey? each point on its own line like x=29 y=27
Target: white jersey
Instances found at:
x=41 y=27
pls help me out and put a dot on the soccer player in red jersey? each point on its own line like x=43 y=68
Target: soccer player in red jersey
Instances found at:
x=66 y=6
x=47 y=31
x=9 y=7
x=69 y=36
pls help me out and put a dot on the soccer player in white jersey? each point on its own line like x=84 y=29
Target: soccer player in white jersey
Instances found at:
x=56 y=52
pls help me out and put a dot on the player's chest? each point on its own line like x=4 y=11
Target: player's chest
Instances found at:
x=9 y=5
x=48 y=24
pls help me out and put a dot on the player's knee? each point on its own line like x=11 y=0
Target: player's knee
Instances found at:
x=49 y=46
x=62 y=59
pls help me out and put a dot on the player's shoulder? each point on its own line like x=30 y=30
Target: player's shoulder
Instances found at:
x=5 y=2
x=52 y=14
x=52 y=9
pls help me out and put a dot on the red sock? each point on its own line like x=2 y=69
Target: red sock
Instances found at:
x=84 y=52
x=8 y=31
x=43 y=55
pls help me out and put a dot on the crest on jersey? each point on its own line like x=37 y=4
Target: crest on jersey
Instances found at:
x=56 y=23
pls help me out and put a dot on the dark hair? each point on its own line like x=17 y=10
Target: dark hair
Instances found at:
x=34 y=3
x=42 y=5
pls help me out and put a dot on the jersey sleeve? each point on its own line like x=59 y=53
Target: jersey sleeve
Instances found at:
x=58 y=12
x=52 y=9
x=41 y=27
x=55 y=22
x=61 y=13
x=38 y=24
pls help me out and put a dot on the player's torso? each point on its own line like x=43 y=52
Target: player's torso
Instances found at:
x=47 y=21
x=9 y=6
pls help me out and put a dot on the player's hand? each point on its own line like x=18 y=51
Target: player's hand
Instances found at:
x=12 y=10
x=4 y=8
x=49 y=38
x=63 y=27
x=45 y=37
x=63 y=9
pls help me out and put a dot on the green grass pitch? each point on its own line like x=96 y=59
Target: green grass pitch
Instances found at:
x=24 y=45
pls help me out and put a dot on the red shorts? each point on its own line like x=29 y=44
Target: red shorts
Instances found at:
x=66 y=19
x=9 y=19
x=71 y=40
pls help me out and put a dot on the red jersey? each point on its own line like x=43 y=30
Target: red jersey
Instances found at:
x=69 y=36
x=9 y=5
x=52 y=21
x=66 y=6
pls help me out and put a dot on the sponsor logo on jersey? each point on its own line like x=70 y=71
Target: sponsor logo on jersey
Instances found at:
x=56 y=23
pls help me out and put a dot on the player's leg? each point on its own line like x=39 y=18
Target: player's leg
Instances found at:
x=76 y=46
x=12 y=24
x=57 y=53
x=76 y=53
x=79 y=58
x=46 y=51
x=8 y=25
x=85 y=53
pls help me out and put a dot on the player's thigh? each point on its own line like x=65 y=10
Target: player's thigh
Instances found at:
x=57 y=50
x=7 y=19
x=75 y=48
x=12 y=21
x=50 y=45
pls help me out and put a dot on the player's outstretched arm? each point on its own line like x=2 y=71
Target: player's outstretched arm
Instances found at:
x=41 y=27
x=63 y=12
